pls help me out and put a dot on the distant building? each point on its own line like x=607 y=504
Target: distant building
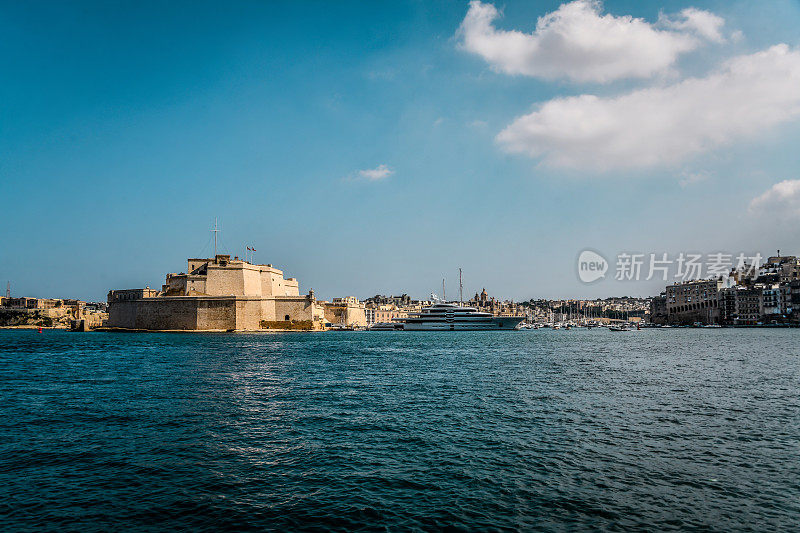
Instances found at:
x=771 y=303
x=658 y=309
x=728 y=305
x=400 y=301
x=694 y=301
x=384 y=313
x=346 y=312
x=748 y=306
x=794 y=299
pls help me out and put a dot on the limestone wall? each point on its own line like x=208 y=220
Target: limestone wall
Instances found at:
x=356 y=316
x=216 y=313
x=122 y=313
x=248 y=314
x=291 y=287
x=252 y=281
x=271 y=283
x=336 y=314
x=296 y=308
x=174 y=313
x=349 y=315
x=268 y=310
x=166 y=313
x=224 y=281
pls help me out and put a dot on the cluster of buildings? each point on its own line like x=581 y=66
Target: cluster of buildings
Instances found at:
x=601 y=310
x=224 y=293
x=483 y=302
x=50 y=312
x=749 y=295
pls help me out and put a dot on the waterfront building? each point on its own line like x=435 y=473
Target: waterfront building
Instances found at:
x=387 y=313
x=727 y=305
x=369 y=315
x=219 y=293
x=748 y=305
x=658 y=309
x=345 y=312
x=772 y=302
x=694 y=301
x=794 y=299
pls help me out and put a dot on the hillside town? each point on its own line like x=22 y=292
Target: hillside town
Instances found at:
x=750 y=295
x=51 y=312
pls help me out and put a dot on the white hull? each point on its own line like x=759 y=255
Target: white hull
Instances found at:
x=490 y=324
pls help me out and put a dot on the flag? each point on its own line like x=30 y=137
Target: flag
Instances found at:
x=253 y=249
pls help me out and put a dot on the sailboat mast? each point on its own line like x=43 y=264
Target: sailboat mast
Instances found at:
x=460 y=289
x=444 y=294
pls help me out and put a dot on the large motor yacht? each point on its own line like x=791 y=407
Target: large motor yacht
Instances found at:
x=451 y=317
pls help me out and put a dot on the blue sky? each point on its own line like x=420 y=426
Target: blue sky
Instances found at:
x=127 y=127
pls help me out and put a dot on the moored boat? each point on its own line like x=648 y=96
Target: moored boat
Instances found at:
x=451 y=317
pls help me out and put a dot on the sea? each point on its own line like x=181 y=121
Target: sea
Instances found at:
x=541 y=430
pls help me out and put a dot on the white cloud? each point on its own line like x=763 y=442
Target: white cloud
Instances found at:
x=579 y=43
x=663 y=125
x=376 y=174
x=705 y=24
x=781 y=201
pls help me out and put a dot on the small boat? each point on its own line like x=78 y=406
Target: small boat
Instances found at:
x=617 y=328
x=385 y=326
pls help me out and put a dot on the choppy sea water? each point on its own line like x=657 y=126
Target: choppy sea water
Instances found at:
x=535 y=430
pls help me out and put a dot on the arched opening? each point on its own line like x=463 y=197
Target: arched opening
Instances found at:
x=286 y=318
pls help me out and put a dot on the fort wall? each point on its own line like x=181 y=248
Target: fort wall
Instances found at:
x=216 y=294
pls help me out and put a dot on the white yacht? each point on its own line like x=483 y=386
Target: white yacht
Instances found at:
x=451 y=317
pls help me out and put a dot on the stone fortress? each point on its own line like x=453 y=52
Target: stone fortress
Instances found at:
x=221 y=293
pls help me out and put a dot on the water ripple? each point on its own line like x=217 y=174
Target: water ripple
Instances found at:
x=541 y=430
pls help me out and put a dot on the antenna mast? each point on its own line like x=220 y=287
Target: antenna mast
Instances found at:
x=8 y=289
x=215 y=231
x=444 y=294
x=460 y=289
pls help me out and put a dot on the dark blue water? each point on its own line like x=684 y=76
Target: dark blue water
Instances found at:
x=539 y=430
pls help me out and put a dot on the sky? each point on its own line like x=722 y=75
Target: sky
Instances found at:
x=376 y=148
